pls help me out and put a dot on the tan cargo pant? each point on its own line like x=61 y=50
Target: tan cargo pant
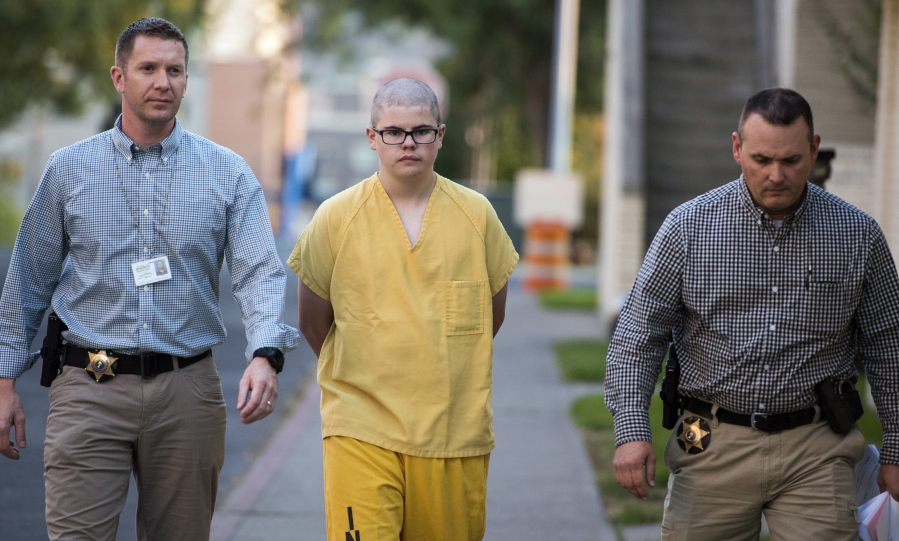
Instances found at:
x=802 y=480
x=169 y=431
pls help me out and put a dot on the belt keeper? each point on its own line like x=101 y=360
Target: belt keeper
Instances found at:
x=753 y=417
x=175 y=366
x=145 y=371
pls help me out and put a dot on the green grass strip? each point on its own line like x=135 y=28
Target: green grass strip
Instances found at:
x=569 y=299
x=582 y=360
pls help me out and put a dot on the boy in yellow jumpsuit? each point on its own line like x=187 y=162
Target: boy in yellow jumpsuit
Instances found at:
x=403 y=282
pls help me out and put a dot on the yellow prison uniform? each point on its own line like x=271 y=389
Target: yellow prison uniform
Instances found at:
x=407 y=364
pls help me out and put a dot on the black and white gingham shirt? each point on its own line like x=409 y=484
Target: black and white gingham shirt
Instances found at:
x=105 y=203
x=759 y=314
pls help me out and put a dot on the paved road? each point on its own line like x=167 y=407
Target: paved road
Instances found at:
x=21 y=482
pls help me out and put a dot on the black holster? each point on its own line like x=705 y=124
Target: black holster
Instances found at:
x=839 y=403
x=672 y=404
x=53 y=349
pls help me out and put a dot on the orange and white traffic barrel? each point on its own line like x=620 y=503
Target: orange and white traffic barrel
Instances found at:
x=547 y=256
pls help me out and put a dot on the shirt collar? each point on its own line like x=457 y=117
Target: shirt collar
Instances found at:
x=757 y=213
x=125 y=146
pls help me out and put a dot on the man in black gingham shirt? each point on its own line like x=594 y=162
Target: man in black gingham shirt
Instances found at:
x=768 y=285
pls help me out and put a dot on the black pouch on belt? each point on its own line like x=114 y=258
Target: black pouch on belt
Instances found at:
x=840 y=403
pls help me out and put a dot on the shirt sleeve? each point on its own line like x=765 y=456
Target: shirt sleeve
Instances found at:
x=877 y=324
x=257 y=275
x=37 y=262
x=501 y=255
x=653 y=309
x=312 y=258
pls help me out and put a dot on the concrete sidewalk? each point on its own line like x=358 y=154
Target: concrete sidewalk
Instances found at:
x=541 y=486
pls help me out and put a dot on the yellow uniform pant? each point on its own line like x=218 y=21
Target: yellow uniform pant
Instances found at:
x=372 y=494
x=801 y=479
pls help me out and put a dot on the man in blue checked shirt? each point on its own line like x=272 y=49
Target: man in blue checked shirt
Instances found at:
x=771 y=289
x=139 y=390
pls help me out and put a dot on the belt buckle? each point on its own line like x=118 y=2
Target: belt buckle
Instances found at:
x=752 y=420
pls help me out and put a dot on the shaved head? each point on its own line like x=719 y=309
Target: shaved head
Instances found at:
x=404 y=92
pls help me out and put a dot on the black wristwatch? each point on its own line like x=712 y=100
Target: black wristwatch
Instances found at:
x=274 y=356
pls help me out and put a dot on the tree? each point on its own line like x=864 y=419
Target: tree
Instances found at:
x=499 y=69
x=58 y=53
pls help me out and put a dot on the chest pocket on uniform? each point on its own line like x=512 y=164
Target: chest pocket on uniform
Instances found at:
x=828 y=301
x=465 y=307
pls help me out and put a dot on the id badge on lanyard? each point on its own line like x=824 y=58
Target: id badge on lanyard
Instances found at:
x=151 y=271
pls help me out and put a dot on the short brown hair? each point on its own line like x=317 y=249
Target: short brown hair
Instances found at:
x=153 y=27
x=779 y=107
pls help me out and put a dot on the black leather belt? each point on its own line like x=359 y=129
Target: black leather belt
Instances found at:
x=766 y=422
x=145 y=366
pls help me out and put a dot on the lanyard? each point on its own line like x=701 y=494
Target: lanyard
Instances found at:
x=148 y=248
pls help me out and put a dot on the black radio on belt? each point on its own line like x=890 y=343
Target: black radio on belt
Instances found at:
x=840 y=403
x=53 y=349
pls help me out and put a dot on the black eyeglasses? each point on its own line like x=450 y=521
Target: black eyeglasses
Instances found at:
x=421 y=136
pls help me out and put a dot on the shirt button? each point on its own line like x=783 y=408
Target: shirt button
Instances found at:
x=146 y=250
x=774 y=289
x=759 y=222
x=147 y=175
x=776 y=249
x=146 y=212
x=761 y=407
x=145 y=325
x=771 y=327
x=766 y=367
x=146 y=288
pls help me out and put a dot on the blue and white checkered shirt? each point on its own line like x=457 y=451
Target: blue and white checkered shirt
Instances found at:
x=105 y=203
x=759 y=314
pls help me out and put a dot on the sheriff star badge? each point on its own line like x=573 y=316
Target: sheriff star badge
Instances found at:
x=694 y=435
x=100 y=364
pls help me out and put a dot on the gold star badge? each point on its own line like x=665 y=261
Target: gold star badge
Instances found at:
x=693 y=435
x=100 y=364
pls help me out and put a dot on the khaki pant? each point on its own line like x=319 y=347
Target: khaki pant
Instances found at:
x=169 y=431
x=372 y=494
x=801 y=479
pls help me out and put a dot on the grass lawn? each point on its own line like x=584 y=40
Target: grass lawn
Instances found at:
x=569 y=299
x=582 y=360
x=590 y=413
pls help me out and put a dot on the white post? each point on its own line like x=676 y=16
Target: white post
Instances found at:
x=886 y=135
x=565 y=77
x=623 y=207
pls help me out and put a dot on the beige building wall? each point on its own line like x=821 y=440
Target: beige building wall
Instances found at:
x=825 y=32
x=245 y=114
x=886 y=152
x=251 y=86
x=841 y=115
